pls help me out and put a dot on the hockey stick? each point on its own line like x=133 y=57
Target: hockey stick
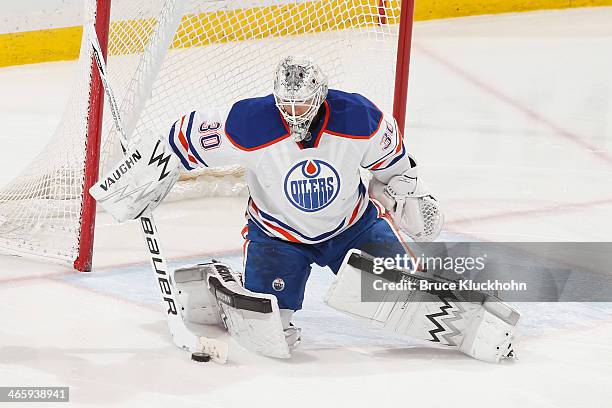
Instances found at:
x=181 y=335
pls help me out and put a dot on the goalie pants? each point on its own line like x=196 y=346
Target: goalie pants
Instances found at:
x=281 y=268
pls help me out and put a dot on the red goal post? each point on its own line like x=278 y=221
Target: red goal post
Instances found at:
x=92 y=148
x=168 y=57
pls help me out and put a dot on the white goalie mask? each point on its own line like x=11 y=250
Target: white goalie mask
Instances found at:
x=300 y=87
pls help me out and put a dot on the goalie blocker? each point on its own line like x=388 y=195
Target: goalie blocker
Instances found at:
x=139 y=181
x=475 y=323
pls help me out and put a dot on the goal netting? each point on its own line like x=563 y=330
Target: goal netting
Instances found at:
x=169 y=57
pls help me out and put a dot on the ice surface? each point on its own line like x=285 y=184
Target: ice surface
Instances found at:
x=510 y=117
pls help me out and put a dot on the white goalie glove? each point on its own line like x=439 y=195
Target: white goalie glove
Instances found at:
x=139 y=181
x=410 y=204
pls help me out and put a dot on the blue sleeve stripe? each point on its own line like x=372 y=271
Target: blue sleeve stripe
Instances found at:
x=379 y=159
x=188 y=137
x=362 y=189
x=184 y=161
x=392 y=161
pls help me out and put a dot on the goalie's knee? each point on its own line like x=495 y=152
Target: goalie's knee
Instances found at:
x=279 y=269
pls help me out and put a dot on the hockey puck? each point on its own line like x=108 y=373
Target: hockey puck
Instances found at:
x=200 y=357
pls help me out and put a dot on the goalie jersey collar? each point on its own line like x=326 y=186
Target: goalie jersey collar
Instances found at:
x=256 y=123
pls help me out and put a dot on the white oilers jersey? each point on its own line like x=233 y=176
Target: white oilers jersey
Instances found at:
x=302 y=192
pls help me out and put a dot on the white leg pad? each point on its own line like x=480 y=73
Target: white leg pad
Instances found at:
x=198 y=305
x=212 y=293
x=481 y=330
x=252 y=319
x=489 y=337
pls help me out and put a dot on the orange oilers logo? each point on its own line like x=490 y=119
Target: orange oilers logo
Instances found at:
x=312 y=185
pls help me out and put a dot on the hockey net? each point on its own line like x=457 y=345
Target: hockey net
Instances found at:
x=169 y=57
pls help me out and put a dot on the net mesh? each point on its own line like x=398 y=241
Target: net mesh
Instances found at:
x=40 y=209
x=167 y=58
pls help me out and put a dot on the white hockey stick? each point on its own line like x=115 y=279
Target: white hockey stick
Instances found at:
x=181 y=335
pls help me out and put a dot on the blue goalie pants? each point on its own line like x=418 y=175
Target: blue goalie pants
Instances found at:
x=281 y=268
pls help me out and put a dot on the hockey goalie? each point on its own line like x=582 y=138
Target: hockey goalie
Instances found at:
x=303 y=147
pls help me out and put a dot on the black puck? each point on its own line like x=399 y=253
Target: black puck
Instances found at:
x=200 y=357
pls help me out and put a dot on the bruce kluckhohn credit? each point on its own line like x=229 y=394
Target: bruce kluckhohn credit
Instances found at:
x=458 y=265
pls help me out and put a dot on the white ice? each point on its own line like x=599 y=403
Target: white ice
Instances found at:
x=511 y=119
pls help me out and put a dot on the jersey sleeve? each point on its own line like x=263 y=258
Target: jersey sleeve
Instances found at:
x=386 y=154
x=199 y=140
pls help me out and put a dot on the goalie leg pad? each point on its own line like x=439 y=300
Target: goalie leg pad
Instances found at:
x=481 y=329
x=252 y=319
x=489 y=337
x=197 y=304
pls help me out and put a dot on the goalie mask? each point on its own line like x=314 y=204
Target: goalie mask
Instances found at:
x=300 y=87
